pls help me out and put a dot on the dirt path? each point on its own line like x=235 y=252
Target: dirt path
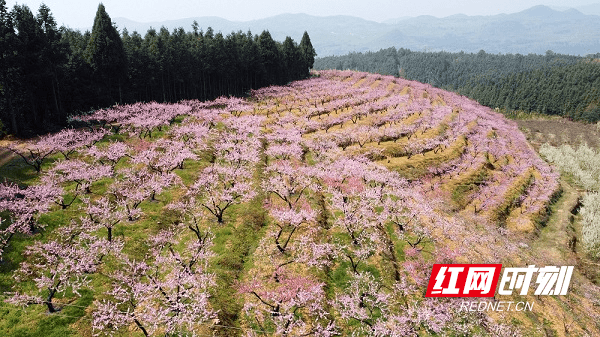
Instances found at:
x=559 y=316
x=5 y=156
x=555 y=240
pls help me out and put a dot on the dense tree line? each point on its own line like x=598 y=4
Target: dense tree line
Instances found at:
x=49 y=73
x=553 y=83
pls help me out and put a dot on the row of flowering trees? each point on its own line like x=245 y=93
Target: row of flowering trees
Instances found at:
x=398 y=118
x=346 y=246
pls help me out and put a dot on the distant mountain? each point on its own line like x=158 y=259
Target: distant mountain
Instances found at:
x=593 y=9
x=329 y=35
x=534 y=30
x=396 y=20
x=590 y=9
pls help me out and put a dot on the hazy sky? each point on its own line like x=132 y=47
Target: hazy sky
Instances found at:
x=80 y=13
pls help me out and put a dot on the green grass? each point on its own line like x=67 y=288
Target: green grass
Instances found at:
x=18 y=171
x=234 y=244
x=468 y=185
x=511 y=197
x=35 y=321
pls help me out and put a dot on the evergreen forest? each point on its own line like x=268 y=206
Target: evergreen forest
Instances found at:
x=554 y=84
x=49 y=73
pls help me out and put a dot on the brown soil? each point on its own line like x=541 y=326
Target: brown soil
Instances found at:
x=558 y=131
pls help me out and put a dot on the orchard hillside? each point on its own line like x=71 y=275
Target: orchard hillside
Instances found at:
x=315 y=208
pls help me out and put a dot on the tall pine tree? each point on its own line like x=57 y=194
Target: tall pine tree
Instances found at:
x=292 y=60
x=53 y=56
x=29 y=66
x=7 y=67
x=269 y=57
x=308 y=53
x=106 y=56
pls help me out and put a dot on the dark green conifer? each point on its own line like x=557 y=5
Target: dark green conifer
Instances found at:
x=106 y=55
x=7 y=67
x=269 y=55
x=292 y=59
x=308 y=52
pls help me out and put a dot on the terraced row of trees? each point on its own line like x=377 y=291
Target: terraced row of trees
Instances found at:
x=315 y=208
x=553 y=84
x=49 y=73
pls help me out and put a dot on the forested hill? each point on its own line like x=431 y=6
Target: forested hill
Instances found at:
x=48 y=73
x=553 y=83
